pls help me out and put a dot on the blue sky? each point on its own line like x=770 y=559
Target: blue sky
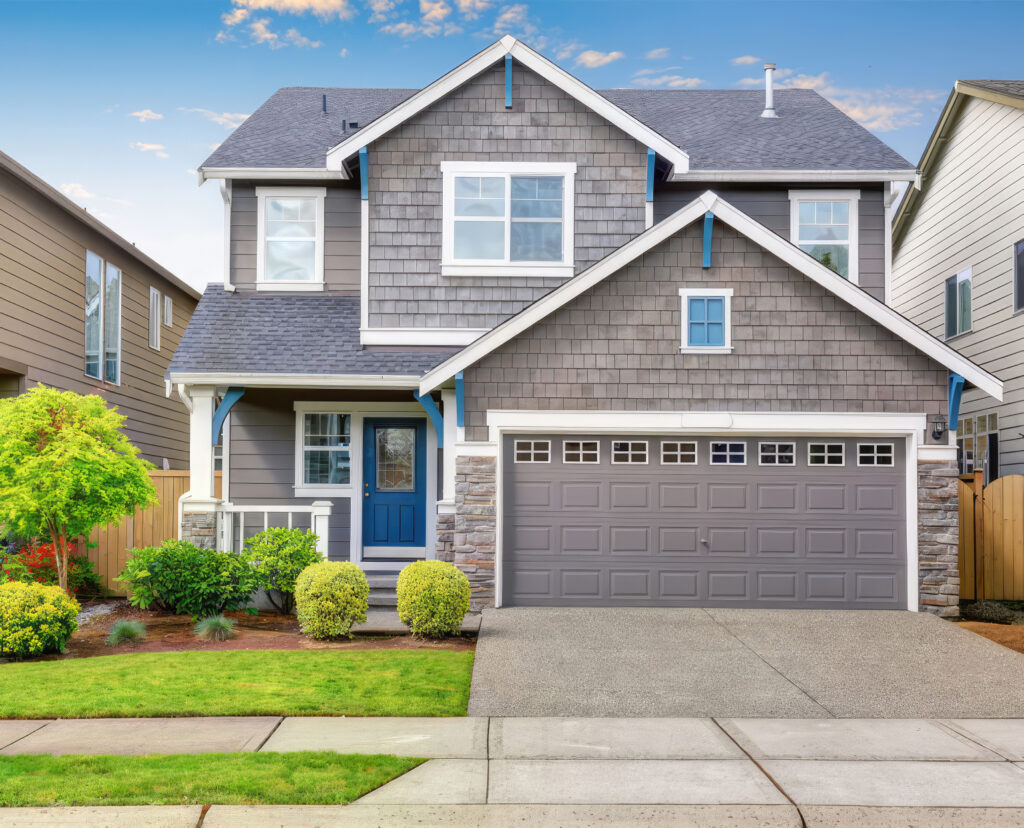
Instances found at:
x=118 y=101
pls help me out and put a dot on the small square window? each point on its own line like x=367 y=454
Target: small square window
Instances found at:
x=580 y=451
x=533 y=451
x=628 y=452
x=777 y=454
x=875 y=454
x=728 y=454
x=706 y=326
x=826 y=454
x=675 y=453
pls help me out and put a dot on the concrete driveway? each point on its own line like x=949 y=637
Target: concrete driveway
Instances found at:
x=739 y=663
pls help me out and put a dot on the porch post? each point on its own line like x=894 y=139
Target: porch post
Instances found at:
x=321 y=525
x=200 y=476
x=448 y=402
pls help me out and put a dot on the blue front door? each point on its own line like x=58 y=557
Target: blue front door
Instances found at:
x=394 y=488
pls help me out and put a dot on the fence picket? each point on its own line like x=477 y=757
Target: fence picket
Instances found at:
x=991 y=549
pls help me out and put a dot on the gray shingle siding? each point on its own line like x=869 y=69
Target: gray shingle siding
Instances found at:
x=406 y=287
x=616 y=347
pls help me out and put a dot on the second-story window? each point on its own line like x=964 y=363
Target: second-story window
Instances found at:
x=102 y=319
x=508 y=218
x=823 y=223
x=290 y=243
x=958 y=303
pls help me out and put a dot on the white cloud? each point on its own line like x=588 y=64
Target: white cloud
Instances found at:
x=655 y=70
x=157 y=149
x=434 y=11
x=146 y=115
x=228 y=120
x=224 y=37
x=511 y=18
x=778 y=77
x=381 y=10
x=668 y=81
x=745 y=60
x=593 y=59
x=402 y=29
x=259 y=31
x=567 y=50
x=433 y=21
x=234 y=17
x=471 y=9
x=657 y=54
x=78 y=192
x=296 y=39
x=325 y=9
x=343 y=53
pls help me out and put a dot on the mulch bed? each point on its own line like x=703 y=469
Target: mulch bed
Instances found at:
x=266 y=631
x=1009 y=635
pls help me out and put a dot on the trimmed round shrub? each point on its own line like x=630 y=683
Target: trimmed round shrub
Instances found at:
x=330 y=597
x=433 y=598
x=277 y=556
x=35 y=619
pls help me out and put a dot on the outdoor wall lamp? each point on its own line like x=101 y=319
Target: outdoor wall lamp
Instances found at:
x=938 y=429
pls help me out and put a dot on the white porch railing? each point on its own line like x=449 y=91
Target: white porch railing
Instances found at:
x=230 y=537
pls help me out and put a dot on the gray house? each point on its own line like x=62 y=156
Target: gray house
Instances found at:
x=623 y=348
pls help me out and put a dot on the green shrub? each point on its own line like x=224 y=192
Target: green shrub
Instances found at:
x=993 y=612
x=35 y=619
x=215 y=628
x=433 y=598
x=124 y=631
x=330 y=597
x=277 y=556
x=186 y=580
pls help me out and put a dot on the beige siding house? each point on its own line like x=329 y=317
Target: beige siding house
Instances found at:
x=83 y=310
x=958 y=259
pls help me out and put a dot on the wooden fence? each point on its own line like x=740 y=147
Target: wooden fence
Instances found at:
x=147 y=527
x=992 y=538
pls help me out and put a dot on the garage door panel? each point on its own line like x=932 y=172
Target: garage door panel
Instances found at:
x=729 y=496
x=880 y=499
x=630 y=496
x=678 y=540
x=629 y=540
x=778 y=541
x=581 y=583
x=778 y=497
x=678 y=496
x=580 y=495
x=626 y=583
x=727 y=540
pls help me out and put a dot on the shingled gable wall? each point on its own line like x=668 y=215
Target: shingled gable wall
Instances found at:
x=545 y=124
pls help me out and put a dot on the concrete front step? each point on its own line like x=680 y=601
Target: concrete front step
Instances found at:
x=382 y=590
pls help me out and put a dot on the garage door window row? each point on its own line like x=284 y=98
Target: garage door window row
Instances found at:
x=684 y=453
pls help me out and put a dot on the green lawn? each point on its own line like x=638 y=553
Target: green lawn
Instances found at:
x=240 y=683
x=196 y=779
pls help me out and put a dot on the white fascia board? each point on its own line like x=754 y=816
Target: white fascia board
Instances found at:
x=272 y=173
x=756 y=232
x=448 y=83
x=420 y=336
x=826 y=176
x=258 y=380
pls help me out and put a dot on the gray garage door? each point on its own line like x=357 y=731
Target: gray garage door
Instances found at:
x=670 y=521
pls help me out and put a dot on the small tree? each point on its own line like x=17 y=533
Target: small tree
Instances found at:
x=65 y=467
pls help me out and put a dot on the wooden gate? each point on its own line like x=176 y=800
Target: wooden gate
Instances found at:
x=147 y=527
x=992 y=538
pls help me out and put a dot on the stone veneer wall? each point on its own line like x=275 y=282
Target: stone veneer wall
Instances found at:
x=199 y=528
x=475 y=526
x=937 y=538
x=445 y=546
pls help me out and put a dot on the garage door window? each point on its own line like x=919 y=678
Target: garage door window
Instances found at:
x=728 y=454
x=684 y=454
x=581 y=451
x=777 y=454
x=825 y=454
x=533 y=451
x=874 y=454
x=628 y=452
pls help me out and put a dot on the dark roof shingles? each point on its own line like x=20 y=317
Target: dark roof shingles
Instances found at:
x=1014 y=88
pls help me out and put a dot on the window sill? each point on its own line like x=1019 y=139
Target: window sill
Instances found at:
x=557 y=271
x=290 y=287
x=958 y=335
x=323 y=491
x=686 y=349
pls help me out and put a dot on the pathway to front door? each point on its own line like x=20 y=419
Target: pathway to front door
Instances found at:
x=394 y=489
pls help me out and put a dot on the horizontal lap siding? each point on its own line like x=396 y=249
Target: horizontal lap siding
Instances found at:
x=472 y=124
x=616 y=347
x=42 y=318
x=969 y=214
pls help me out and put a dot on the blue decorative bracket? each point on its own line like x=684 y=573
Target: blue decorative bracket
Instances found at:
x=508 y=81
x=364 y=173
x=650 y=174
x=956 y=390
x=460 y=400
x=709 y=220
x=232 y=396
x=435 y=416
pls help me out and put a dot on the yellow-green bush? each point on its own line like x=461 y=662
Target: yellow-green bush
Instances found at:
x=433 y=598
x=35 y=619
x=330 y=597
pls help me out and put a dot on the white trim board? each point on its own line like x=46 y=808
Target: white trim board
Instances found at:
x=797 y=176
x=678 y=160
x=261 y=380
x=420 y=336
x=756 y=232
x=269 y=173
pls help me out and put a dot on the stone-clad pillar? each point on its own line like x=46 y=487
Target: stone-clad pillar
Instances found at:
x=937 y=537
x=475 y=525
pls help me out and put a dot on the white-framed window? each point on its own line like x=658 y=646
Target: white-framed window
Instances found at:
x=678 y=453
x=507 y=218
x=729 y=454
x=102 y=319
x=532 y=451
x=977 y=445
x=958 y=303
x=290 y=238
x=581 y=451
x=323 y=449
x=875 y=454
x=824 y=224
x=627 y=451
x=706 y=323
x=154 y=319
x=168 y=312
x=776 y=454
x=826 y=454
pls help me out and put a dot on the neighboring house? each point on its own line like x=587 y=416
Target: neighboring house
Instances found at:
x=581 y=343
x=958 y=259
x=83 y=310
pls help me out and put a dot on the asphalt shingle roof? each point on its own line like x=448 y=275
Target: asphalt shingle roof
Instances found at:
x=1005 y=87
x=285 y=334
x=720 y=129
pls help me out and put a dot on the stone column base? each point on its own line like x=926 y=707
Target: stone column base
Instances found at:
x=938 y=551
x=200 y=529
x=473 y=541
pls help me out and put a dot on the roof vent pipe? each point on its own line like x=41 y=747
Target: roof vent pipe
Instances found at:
x=769 y=99
x=323 y=105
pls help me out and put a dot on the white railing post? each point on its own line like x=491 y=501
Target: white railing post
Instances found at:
x=321 y=515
